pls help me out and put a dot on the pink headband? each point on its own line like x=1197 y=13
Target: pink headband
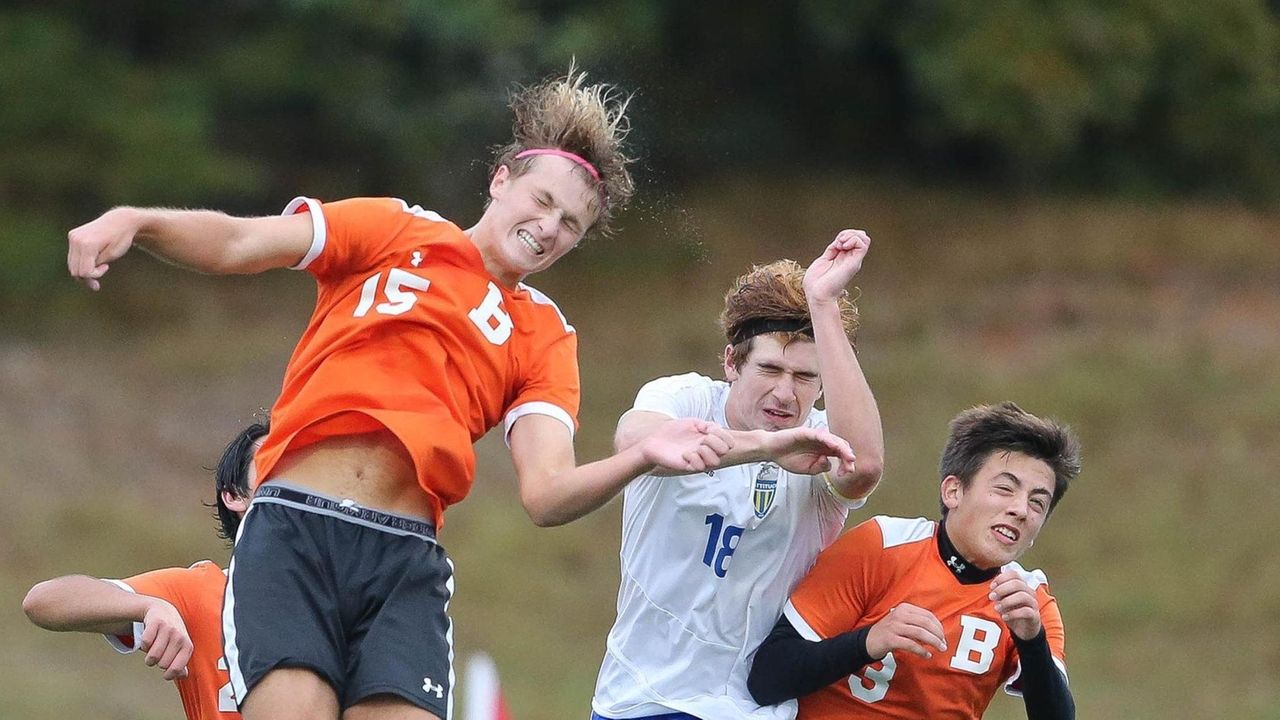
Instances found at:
x=564 y=154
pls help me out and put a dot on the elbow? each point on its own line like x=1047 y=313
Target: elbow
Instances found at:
x=36 y=605
x=863 y=481
x=235 y=254
x=230 y=260
x=542 y=512
x=868 y=471
x=544 y=519
x=761 y=690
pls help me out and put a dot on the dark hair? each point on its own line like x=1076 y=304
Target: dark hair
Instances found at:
x=232 y=475
x=979 y=432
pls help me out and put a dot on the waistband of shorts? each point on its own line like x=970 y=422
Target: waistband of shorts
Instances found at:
x=279 y=493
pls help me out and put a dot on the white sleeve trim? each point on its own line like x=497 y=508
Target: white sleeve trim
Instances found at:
x=319 y=231
x=114 y=640
x=534 y=408
x=1017 y=673
x=801 y=625
x=1033 y=578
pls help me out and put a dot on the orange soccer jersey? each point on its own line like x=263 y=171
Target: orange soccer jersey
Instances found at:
x=411 y=333
x=886 y=561
x=197 y=594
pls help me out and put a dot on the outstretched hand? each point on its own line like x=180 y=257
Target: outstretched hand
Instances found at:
x=165 y=640
x=93 y=246
x=687 y=445
x=834 y=269
x=808 y=451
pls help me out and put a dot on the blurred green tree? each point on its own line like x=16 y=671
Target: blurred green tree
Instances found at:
x=241 y=105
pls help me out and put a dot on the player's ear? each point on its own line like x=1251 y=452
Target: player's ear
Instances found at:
x=498 y=183
x=730 y=372
x=951 y=490
x=235 y=503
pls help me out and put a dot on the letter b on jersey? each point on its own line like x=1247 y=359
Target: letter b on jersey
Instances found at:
x=495 y=324
x=977 y=646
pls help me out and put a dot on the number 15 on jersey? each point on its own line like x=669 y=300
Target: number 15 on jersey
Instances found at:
x=488 y=316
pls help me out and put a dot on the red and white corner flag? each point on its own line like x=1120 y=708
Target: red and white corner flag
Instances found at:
x=484 y=699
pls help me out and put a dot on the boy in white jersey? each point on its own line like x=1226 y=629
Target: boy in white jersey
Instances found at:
x=709 y=559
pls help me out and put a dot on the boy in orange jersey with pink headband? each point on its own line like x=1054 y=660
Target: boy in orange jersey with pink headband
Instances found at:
x=424 y=337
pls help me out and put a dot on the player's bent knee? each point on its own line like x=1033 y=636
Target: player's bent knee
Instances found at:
x=287 y=693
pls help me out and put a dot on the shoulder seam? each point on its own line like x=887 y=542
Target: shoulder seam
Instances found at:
x=542 y=298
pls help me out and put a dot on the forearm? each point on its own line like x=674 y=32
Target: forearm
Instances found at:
x=574 y=491
x=749 y=446
x=851 y=408
x=201 y=240
x=1044 y=687
x=788 y=666
x=84 y=604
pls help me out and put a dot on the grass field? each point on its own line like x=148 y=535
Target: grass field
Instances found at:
x=1153 y=329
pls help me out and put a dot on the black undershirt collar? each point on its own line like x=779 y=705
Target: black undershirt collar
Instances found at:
x=963 y=570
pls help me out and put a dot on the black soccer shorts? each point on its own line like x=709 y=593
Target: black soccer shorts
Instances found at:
x=358 y=596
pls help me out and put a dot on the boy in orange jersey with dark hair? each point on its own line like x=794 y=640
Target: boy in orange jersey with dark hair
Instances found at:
x=423 y=338
x=173 y=615
x=910 y=618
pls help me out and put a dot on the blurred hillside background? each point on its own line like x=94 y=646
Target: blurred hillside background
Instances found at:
x=1074 y=204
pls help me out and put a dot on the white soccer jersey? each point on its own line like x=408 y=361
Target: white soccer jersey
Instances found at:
x=708 y=560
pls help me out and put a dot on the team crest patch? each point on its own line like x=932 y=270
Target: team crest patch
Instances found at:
x=765 y=488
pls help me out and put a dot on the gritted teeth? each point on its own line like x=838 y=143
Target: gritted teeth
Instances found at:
x=1006 y=531
x=527 y=238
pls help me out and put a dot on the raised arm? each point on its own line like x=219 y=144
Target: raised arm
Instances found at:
x=851 y=408
x=555 y=490
x=85 y=604
x=201 y=240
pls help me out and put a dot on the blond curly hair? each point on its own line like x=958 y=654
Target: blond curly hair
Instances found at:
x=589 y=121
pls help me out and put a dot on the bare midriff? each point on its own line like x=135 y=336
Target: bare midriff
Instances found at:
x=373 y=469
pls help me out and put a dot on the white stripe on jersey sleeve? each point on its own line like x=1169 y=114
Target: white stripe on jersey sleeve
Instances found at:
x=1017 y=673
x=1033 y=578
x=801 y=625
x=114 y=640
x=319 y=230
x=541 y=298
x=534 y=408
x=417 y=211
x=900 y=531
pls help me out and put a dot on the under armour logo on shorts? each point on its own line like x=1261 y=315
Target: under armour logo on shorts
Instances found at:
x=430 y=687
